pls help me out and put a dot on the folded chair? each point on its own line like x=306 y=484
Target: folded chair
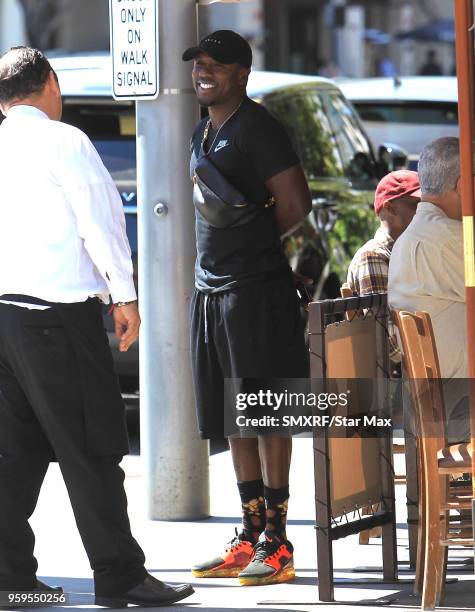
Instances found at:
x=351 y=471
x=346 y=292
x=438 y=496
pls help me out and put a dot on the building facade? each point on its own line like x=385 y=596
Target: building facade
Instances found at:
x=352 y=38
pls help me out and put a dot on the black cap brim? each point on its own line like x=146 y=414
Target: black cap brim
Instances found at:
x=191 y=53
x=216 y=54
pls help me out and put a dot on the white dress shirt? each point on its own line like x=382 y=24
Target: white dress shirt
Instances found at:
x=62 y=224
x=426 y=272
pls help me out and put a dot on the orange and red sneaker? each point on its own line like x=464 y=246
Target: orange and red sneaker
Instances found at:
x=272 y=562
x=230 y=563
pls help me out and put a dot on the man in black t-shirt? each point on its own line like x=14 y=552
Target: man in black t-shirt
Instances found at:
x=245 y=316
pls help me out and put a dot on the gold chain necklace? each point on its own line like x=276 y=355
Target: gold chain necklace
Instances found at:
x=208 y=126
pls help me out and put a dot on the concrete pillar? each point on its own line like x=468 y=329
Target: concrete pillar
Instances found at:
x=176 y=460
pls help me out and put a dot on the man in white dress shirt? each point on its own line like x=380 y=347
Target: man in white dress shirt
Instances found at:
x=63 y=250
x=426 y=271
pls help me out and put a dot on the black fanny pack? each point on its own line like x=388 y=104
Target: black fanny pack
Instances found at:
x=219 y=202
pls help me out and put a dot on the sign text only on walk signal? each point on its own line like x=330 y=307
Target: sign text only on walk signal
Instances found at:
x=134 y=48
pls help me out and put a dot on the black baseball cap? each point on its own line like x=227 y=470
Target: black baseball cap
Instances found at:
x=224 y=46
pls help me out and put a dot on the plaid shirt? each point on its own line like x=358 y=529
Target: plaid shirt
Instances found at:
x=368 y=273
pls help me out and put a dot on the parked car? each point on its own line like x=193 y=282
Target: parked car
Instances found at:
x=336 y=154
x=412 y=111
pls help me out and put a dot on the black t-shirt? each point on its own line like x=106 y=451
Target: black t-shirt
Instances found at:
x=250 y=148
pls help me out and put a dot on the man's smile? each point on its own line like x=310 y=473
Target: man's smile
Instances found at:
x=205 y=86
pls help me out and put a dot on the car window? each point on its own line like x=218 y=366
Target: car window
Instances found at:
x=111 y=127
x=353 y=145
x=305 y=120
x=409 y=112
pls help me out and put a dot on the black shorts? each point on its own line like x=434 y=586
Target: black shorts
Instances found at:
x=253 y=331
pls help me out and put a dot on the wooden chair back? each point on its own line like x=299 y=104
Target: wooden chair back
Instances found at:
x=421 y=363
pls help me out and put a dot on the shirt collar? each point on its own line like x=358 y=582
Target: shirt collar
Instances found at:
x=24 y=110
x=384 y=238
x=428 y=207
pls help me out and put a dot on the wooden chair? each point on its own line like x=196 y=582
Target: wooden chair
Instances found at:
x=437 y=529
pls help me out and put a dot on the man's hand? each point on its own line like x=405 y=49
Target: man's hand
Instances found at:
x=127 y=324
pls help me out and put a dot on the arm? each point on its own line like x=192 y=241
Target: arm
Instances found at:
x=270 y=150
x=100 y=219
x=293 y=201
x=370 y=273
x=454 y=269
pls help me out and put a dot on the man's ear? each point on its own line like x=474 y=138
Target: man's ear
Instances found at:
x=244 y=76
x=458 y=186
x=389 y=209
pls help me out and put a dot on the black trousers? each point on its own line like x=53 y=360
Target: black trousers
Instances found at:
x=42 y=417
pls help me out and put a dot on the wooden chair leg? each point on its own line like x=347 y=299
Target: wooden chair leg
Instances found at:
x=364 y=535
x=444 y=535
x=375 y=532
x=432 y=567
x=443 y=576
x=434 y=496
x=421 y=530
x=412 y=494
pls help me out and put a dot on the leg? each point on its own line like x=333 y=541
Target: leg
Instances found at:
x=261 y=339
x=47 y=371
x=245 y=455
x=115 y=556
x=275 y=455
x=24 y=458
x=275 y=459
x=209 y=388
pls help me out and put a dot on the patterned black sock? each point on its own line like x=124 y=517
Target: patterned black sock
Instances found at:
x=253 y=508
x=276 y=510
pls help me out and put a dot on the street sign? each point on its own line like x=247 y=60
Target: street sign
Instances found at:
x=134 y=49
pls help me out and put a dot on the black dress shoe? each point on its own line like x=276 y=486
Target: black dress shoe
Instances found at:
x=149 y=592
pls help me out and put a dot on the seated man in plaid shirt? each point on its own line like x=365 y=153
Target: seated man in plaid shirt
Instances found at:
x=395 y=203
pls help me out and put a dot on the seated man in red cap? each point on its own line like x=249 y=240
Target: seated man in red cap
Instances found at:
x=395 y=203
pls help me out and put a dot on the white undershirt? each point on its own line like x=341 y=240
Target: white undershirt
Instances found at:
x=62 y=224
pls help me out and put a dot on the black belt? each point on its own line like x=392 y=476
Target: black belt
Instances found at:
x=29 y=299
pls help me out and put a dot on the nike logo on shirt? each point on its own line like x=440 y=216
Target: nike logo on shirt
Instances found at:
x=221 y=144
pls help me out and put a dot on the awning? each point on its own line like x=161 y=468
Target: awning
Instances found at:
x=440 y=30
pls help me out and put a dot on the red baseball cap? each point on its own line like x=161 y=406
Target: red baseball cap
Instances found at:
x=395 y=185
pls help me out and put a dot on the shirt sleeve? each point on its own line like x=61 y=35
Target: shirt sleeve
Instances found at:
x=99 y=213
x=454 y=269
x=370 y=274
x=268 y=145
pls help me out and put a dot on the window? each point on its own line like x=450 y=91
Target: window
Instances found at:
x=303 y=116
x=112 y=131
x=354 y=147
x=437 y=113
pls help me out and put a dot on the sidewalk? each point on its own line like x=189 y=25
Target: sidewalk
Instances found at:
x=62 y=559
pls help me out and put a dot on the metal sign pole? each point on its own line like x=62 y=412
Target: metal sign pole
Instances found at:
x=176 y=461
